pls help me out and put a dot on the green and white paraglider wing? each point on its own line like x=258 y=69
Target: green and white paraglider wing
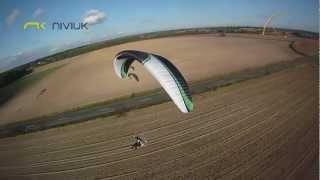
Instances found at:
x=162 y=70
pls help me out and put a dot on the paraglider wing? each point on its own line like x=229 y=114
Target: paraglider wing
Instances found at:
x=162 y=70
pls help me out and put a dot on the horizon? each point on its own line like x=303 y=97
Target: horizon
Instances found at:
x=106 y=22
x=138 y=34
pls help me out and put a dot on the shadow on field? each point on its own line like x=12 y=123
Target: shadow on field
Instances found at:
x=18 y=86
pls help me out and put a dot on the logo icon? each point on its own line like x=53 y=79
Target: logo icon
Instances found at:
x=34 y=24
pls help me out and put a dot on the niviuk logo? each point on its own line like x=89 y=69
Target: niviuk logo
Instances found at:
x=55 y=25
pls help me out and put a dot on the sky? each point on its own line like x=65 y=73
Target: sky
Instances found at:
x=108 y=19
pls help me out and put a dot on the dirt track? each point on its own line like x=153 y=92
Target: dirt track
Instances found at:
x=90 y=78
x=263 y=128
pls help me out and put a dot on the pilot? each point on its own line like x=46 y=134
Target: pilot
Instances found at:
x=139 y=142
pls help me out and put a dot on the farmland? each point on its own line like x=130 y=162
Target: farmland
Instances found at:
x=261 y=128
x=89 y=78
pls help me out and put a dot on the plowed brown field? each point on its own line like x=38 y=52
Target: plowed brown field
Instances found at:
x=264 y=128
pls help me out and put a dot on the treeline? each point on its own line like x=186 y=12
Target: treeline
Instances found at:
x=12 y=75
